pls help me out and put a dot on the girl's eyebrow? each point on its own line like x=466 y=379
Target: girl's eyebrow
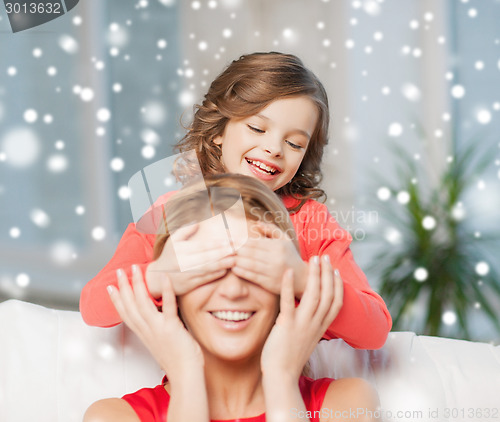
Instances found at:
x=302 y=132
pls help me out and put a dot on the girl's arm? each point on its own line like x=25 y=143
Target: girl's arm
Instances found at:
x=364 y=321
x=95 y=305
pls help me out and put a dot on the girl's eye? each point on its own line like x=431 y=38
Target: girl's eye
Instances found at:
x=294 y=146
x=255 y=129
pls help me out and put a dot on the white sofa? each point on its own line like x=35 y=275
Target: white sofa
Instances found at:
x=53 y=366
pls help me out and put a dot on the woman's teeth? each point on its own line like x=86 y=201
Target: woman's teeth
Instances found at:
x=262 y=166
x=232 y=316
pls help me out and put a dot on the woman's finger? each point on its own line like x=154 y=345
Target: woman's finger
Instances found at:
x=145 y=305
x=116 y=299
x=287 y=298
x=338 y=300
x=310 y=298
x=327 y=288
x=123 y=300
x=169 y=308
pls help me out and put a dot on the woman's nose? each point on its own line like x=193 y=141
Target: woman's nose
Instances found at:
x=233 y=287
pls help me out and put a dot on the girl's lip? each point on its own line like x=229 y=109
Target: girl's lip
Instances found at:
x=260 y=174
x=267 y=163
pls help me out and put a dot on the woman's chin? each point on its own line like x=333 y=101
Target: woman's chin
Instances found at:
x=234 y=351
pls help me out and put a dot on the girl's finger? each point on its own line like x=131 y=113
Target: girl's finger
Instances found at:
x=310 y=298
x=269 y=230
x=261 y=279
x=255 y=265
x=185 y=232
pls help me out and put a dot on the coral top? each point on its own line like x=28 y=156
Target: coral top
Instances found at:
x=363 y=322
x=151 y=404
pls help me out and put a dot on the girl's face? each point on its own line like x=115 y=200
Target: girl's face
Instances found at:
x=230 y=318
x=271 y=144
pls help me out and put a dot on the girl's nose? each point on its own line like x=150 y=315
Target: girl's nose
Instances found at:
x=273 y=146
x=233 y=287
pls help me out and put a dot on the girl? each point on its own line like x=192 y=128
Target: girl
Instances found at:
x=266 y=116
x=236 y=353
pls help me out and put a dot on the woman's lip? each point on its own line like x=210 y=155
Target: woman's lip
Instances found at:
x=260 y=174
x=232 y=326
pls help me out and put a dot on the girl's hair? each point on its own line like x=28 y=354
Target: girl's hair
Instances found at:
x=190 y=204
x=244 y=88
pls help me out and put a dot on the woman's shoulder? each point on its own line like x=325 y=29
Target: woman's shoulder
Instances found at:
x=149 y=403
x=313 y=391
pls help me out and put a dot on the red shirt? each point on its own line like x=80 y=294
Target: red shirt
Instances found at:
x=363 y=322
x=151 y=404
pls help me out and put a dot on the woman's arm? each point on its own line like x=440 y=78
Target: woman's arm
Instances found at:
x=351 y=400
x=168 y=341
x=110 y=410
x=364 y=321
x=294 y=337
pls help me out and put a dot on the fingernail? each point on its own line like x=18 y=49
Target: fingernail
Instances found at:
x=337 y=272
x=326 y=258
x=315 y=259
x=119 y=273
x=110 y=289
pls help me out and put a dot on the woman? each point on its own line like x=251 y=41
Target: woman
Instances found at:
x=231 y=349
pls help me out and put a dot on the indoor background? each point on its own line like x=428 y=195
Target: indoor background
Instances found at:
x=89 y=99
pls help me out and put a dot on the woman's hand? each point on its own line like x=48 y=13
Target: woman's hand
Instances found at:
x=264 y=260
x=200 y=262
x=298 y=329
x=162 y=333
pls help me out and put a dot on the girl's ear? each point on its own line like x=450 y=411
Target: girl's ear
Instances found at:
x=217 y=140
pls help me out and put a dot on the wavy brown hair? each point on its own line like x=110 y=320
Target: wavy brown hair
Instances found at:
x=190 y=204
x=244 y=88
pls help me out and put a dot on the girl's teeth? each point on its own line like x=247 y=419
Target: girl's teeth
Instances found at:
x=263 y=166
x=231 y=316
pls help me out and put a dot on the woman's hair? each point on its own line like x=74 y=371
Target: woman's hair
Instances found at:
x=190 y=204
x=259 y=202
x=244 y=88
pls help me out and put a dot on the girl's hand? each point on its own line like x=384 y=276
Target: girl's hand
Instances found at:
x=264 y=260
x=206 y=262
x=298 y=329
x=162 y=333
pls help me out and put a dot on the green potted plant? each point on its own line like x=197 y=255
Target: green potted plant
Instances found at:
x=436 y=263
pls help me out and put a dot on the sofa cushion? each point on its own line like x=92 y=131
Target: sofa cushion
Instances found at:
x=53 y=366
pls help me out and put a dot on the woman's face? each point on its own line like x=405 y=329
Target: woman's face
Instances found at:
x=230 y=318
x=271 y=144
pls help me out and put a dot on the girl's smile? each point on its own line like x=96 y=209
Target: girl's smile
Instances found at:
x=271 y=144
